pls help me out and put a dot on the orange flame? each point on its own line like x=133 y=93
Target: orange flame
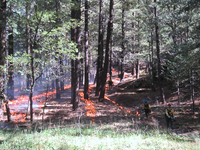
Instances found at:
x=23 y=100
x=91 y=112
x=137 y=113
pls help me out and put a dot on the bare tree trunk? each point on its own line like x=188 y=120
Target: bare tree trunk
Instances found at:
x=57 y=86
x=158 y=58
x=10 y=90
x=32 y=85
x=110 y=60
x=57 y=71
x=178 y=92
x=133 y=48
x=137 y=69
x=27 y=44
x=100 y=50
x=108 y=42
x=86 y=52
x=122 y=44
x=192 y=89
x=3 y=54
x=152 y=65
x=75 y=36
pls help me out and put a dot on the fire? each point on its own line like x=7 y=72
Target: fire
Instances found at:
x=114 y=70
x=22 y=102
x=16 y=90
x=91 y=112
x=67 y=87
x=137 y=113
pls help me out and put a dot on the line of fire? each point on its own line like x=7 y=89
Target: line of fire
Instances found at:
x=19 y=107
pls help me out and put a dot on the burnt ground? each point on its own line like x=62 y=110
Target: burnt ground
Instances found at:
x=124 y=102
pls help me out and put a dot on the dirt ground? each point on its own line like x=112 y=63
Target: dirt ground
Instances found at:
x=122 y=103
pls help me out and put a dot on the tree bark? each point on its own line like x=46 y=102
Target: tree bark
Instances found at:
x=122 y=44
x=162 y=95
x=10 y=90
x=75 y=37
x=86 y=52
x=57 y=71
x=100 y=50
x=108 y=41
x=3 y=54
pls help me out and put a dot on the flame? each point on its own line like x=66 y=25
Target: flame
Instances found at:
x=137 y=113
x=91 y=112
x=125 y=76
x=22 y=101
x=114 y=70
x=67 y=87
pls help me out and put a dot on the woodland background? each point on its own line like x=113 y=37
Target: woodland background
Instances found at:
x=45 y=45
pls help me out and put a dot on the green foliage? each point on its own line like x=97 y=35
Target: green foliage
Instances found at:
x=108 y=136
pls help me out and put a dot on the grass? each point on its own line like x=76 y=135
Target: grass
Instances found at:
x=115 y=136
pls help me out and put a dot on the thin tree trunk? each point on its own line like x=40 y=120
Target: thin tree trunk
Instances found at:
x=57 y=71
x=110 y=69
x=152 y=66
x=178 y=92
x=100 y=50
x=32 y=85
x=158 y=58
x=3 y=54
x=86 y=52
x=75 y=36
x=133 y=48
x=10 y=90
x=137 y=69
x=192 y=89
x=122 y=44
x=27 y=44
x=108 y=42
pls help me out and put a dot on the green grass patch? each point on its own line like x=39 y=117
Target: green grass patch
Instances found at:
x=97 y=137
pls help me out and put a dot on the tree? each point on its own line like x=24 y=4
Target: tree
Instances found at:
x=100 y=49
x=75 y=37
x=158 y=56
x=43 y=48
x=86 y=52
x=108 y=42
x=3 y=96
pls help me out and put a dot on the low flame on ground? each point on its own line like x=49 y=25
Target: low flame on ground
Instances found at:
x=115 y=81
x=20 y=115
x=91 y=112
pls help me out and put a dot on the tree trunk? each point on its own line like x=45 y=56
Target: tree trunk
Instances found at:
x=86 y=52
x=137 y=69
x=10 y=90
x=32 y=85
x=158 y=58
x=108 y=42
x=27 y=45
x=3 y=54
x=2 y=31
x=192 y=89
x=152 y=66
x=122 y=44
x=57 y=71
x=133 y=48
x=110 y=69
x=75 y=37
x=100 y=50
x=57 y=87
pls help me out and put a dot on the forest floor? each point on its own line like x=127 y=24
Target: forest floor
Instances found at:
x=123 y=103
